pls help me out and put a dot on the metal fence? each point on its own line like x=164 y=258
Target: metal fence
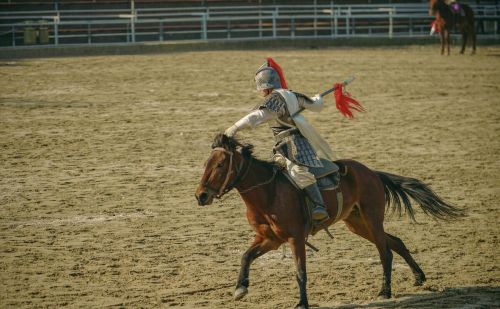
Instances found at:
x=57 y=27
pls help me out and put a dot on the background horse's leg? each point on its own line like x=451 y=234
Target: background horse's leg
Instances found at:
x=441 y=36
x=299 y=253
x=370 y=228
x=473 y=37
x=259 y=247
x=399 y=247
x=447 y=36
x=464 y=29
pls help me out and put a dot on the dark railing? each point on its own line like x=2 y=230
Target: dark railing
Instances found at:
x=55 y=27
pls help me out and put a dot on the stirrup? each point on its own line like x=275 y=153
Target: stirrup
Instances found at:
x=320 y=211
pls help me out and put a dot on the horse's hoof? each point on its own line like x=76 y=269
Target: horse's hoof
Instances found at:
x=240 y=293
x=384 y=295
x=419 y=280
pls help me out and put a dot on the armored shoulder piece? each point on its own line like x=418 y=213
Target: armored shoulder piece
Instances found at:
x=302 y=98
x=276 y=103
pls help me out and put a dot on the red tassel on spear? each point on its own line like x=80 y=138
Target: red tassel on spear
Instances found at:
x=343 y=100
x=345 y=103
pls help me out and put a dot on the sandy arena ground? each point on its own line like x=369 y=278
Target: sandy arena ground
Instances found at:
x=100 y=158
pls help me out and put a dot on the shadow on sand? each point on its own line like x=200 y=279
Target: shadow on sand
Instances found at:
x=462 y=297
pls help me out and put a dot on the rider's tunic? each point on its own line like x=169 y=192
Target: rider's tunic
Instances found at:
x=289 y=141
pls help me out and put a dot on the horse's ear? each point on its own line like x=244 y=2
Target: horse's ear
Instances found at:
x=219 y=140
x=224 y=141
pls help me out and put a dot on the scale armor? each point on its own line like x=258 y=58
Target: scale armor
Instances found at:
x=293 y=146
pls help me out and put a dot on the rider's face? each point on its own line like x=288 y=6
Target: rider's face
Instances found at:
x=264 y=92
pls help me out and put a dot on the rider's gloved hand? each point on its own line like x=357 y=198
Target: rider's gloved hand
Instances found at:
x=231 y=131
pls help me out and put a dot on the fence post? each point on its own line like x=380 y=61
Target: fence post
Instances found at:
x=160 y=32
x=204 y=26
x=315 y=23
x=292 y=28
x=274 y=24
x=260 y=21
x=390 y=24
x=347 y=20
x=336 y=22
x=89 y=34
x=13 y=36
x=57 y=18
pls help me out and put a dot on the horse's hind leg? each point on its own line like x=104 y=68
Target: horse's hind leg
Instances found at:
x=464 y=40
x=473 y=37
x=370 y=227
x=399 y=247
x=259 y=247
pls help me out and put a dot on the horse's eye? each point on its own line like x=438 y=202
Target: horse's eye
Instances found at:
x=220 y=164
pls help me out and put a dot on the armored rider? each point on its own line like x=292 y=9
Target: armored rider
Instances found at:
x=292 y=148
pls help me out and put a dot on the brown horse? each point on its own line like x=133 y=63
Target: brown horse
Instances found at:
x=276 y=209
x=447 y=18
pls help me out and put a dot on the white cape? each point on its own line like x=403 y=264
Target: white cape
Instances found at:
x=306 y=129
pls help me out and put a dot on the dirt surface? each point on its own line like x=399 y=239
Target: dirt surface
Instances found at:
x=100 y=158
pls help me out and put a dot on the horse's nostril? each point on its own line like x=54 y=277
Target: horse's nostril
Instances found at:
x=202 y=198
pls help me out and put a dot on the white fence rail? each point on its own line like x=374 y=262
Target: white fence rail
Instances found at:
x=225 y=23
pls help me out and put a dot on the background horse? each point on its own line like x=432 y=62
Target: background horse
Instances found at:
x=446 y=20
x=276 y=209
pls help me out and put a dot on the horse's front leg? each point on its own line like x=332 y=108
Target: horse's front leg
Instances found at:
x=441 y=37
x=299 y=253
x=259 y=247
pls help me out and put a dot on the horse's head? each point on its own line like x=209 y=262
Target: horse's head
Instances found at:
x=222 y=169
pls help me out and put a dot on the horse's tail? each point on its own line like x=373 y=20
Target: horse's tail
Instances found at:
x=399 y=189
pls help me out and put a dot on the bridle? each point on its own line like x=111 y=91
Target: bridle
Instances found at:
x=226 y=186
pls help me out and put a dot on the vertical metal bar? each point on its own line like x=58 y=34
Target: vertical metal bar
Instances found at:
x=56 y=29
x=315 y=23
x=411 y=27
x=331 y=19
x=204 y=26
x=13 y=35
x=347 y=20
x=274 y=25
x=128 y=33
x=336 y=23
x=161 y=33
x=260 y=20
x=228 y=31
x=390 y=24
x=56 y=23
x=292 y=27
x=89 y=34
x=133 y=13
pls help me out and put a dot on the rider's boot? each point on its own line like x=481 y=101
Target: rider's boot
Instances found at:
x=319 y=213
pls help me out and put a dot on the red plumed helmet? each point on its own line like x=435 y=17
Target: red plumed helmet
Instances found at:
x=272 y=64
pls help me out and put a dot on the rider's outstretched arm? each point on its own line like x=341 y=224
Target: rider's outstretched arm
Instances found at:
x=251 y=120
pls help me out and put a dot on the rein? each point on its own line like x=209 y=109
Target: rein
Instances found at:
x=239 y=177
x=225 y=187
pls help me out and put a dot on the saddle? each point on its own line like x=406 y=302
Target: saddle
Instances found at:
x=328 y=178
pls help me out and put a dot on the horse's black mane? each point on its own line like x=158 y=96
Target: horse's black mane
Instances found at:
x=231 y=143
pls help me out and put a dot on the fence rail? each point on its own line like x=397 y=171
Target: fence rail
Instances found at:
x=227 y=23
